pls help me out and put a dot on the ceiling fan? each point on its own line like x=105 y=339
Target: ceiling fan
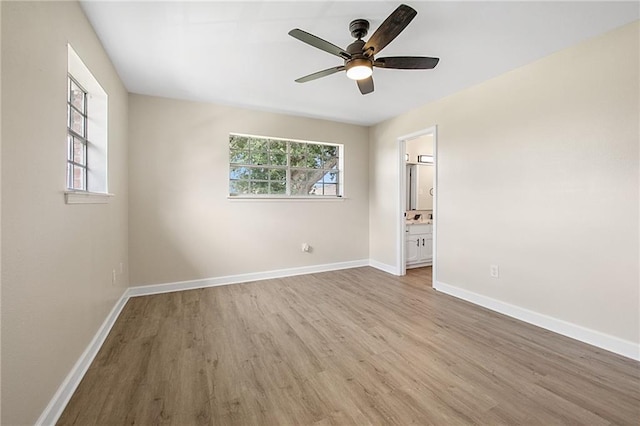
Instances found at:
x=359 y=56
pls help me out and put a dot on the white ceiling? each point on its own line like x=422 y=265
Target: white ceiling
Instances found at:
x=239 y=53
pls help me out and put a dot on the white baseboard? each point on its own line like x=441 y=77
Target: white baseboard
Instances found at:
x=601 y=340
x=242 y=278
x=56 y=406
x=384 y=267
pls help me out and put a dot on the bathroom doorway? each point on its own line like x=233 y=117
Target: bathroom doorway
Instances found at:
x=417 y=204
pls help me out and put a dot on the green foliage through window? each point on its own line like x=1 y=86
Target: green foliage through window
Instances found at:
x=264 y=166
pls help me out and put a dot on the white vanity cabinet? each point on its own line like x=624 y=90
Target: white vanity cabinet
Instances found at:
x=418 y=244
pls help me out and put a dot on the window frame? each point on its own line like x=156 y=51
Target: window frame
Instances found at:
x=96 y=189
x=339 y=169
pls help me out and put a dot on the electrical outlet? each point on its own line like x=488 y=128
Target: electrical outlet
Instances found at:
x=121 y=268
x=113 y=277
x=306 y=248
x=494 y=271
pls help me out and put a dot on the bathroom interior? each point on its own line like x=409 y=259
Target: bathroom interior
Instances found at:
x=419 y=211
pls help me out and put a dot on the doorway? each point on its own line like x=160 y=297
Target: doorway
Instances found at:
x=409 y=162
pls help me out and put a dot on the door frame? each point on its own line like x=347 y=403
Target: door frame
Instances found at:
x=402 y=199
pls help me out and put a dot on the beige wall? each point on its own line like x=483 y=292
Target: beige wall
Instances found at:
x=56 y=274
x=538 y=173
x=183 y=226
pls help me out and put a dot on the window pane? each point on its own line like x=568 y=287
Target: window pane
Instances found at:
x=278 y=174
x=330 y=157
x=313 y=162
x=300 y=184
x=77 y=96
x=259 y=157
x=330 y=189
x=238 y=187
x=298 y=154
x=315 y=157
x=76 y=122
x=278 y=188
x=331 y=150
x=240 y=173
x=278 y=147
x=79 y=152
x=78 y=177
x=278 y=158
x=238 y=142
x=331 y=177
x=256 y=144
x=259 y=187
x=316 y=189
x=298 y=148
x=260 y=174
x=239 y=157
x=297 y=160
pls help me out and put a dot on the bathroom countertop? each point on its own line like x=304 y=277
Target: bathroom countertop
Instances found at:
x=419 y=222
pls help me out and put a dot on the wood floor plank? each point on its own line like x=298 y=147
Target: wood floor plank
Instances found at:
x=350 y=347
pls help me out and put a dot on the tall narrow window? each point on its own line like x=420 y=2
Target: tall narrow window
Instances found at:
x=86 y=178
x=77 y=141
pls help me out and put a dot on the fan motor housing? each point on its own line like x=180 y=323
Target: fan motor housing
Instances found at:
x=355 y=48
x=358 y=58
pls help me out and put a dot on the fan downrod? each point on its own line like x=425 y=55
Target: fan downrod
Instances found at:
x=359 y=28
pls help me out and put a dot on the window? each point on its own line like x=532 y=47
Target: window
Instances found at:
x=76 y=136
x=273 y=167
x=86 y=148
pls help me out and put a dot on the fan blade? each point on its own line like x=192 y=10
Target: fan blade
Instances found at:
x=320 y=74
x=389 y=29
x=365 y=85
x=406 y=62
x=319 y=43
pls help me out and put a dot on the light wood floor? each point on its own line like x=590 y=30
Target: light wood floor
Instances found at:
x=348 y=347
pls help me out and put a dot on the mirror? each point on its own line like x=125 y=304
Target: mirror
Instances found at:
x=419 y=187
x=419 y=183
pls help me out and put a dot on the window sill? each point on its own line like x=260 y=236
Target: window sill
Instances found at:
x=83 y=197
x=285 y=199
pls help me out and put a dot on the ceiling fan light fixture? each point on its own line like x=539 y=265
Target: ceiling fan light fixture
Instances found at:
x=359 y=69
x=359 y=58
